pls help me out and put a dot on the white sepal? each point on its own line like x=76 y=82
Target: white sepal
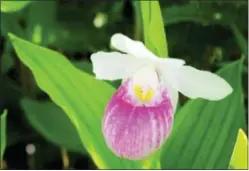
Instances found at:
x=195 y=83
x=115 y=65
x=129 y=46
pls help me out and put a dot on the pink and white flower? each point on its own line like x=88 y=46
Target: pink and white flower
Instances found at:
x=139 y=117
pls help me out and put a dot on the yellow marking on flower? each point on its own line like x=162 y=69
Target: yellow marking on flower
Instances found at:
x=144 y=97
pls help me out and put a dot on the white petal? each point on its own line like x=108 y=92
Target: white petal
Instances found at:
x=114 y=65
x=167 y=71
x=146 y=77
x=167 y=68
x=195 y=83
x=127 y=45
x=169 y=62
x=174 y=96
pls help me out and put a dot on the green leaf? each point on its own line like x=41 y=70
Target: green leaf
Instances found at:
x=84 y=66
x=195 y=12
x=204 y=132
x=239 y=158
x=205 y=13
x=42 y=25
x=153 y=27
x=50 y=120
x=3 y=134
x=80 y=95
x=10 y=23
x=240 y=39
x=13 y=5
x=6 y=63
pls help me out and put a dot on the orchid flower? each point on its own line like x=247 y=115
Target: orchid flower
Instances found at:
x=139 y=116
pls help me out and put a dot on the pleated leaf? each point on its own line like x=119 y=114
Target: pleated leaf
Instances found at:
x=239 y=158
x=153 y=27
x=42 y=25
x=51 y=121
x=3 y=118
x=240 y=39
x=13 y=5
x=204 y=132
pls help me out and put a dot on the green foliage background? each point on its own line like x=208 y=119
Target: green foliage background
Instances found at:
x=55 y=103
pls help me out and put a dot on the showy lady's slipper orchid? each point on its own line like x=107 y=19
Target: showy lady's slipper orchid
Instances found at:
x=139 y=117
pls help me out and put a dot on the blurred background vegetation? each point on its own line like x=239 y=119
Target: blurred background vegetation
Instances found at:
x=207 y=34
